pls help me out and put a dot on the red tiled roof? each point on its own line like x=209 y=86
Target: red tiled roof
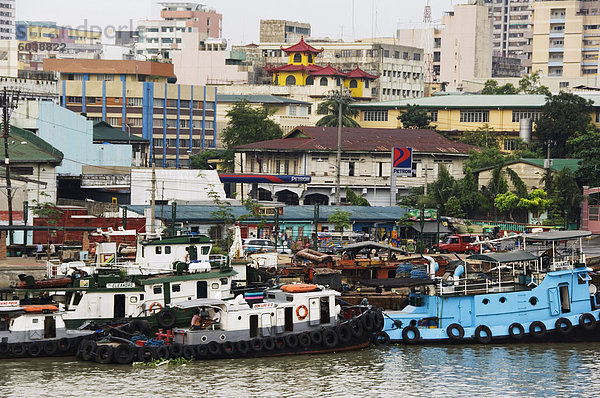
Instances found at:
x=359 y=73
x=328 y=71
x=301 y=46
x=362 y=139
x=293 y=68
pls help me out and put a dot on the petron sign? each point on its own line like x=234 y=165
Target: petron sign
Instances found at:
x=402 y=162
x=264 y=179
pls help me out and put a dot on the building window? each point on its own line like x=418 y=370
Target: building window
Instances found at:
x=323 y=81
x=114 y=121
x=310 y=81
x=518 y=115
x=353 y=83
x=338 y=82
x=297 y=58
x=416 y=57
x=510 y=144
x=433 y=115
x=594 y=213
x=351 y=168
x=475 y=116
x=74 y=100
x=135 y=122
x=135 y=101
x=346 y=53
x=290 y=81
x=375 y=116
x=310 y=58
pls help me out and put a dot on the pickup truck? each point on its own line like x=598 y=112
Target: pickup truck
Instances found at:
x=464 y=243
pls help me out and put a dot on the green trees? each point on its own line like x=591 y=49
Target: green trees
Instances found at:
x=564 y=116
x=415 y=117
x=246 y=125
x=529 y=84
x=355 y=199
x=482 y=137
x=200 y=160
x=341 y=219
x=330 y=108
x=491 y=88
x=586 y=146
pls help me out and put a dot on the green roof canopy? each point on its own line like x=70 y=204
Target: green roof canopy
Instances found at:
x=26 y=147
x=104 y=132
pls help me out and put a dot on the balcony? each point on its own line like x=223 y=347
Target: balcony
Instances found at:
x=556 y=35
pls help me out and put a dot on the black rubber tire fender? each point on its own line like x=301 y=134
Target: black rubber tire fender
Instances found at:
x=65 y=344
x=269 y=343
x=242 y=347
x=35 y=349
x=316 y=337
x=256 y=345
x=19 y=350
x=175 y=350
x=291 y=341
x=407 y=338
x=201 y=351
x=533 y=329
x=162 y=352
x=4 y=348
x=304 y=339
x=378 y=321
x=481 y=338
x=563 y=326
x=279 y=343
x=228 y=348
x=50 y=347
x=344 y=333
x=125 y=353
x=188 y=352
x=139 y=326
x=381 y=338
x=585 y=318
x=166 y=318
x=146 y=354
x=214 y=348
x=357 y=328
x=330 y=338
x=519 y=327
x=459 y=329
x=89 y=350
x=367 y=321
x=104 y=354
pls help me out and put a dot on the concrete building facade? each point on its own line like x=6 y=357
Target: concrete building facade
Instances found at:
x=281 y=31
x=7 y=19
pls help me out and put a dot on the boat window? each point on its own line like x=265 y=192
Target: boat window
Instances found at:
x=143 y=251
x=271 y=296
x=565 y=303
x=485 y=301
x=214 y=286
x=167 y=249
x=503 y=299
x=157 y=289
x=289 y=298
x=158 y=249
x=325 y=316
x=533 y=301
x=205 y=250
x=289 y=319
x=34 y=320
x=141 y=297
x=253 y=325
x=77 y=298
x=224 y=281
x=176 y=288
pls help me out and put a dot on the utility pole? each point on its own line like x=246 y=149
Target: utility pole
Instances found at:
x=6 y=104
x=153 y=200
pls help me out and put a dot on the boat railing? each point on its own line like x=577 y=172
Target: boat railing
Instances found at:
x=468 y=287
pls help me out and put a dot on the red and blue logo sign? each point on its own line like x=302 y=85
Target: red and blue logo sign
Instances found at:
x=402 y=161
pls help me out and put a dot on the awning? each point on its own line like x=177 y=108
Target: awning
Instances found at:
x=556 y=235
x=506 y=257
x=430 y=227
x=199 y=303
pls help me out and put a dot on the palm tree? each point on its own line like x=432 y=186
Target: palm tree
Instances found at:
x=330 y=108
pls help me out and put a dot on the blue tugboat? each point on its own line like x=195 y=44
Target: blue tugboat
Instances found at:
x=513 y=296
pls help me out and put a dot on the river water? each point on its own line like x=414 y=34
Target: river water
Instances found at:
x=468 y=370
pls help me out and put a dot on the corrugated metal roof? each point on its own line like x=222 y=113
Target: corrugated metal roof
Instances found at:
x=472 y=101
x=206 y=214
x=362 y=139
x=503 y=258
x=26 y=147
x=258 y=99
x=104 y=132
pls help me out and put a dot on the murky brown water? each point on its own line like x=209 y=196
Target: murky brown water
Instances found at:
x=509 y=370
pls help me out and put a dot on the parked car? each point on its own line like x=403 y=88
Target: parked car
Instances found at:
x=464 y=243
x=254 y=245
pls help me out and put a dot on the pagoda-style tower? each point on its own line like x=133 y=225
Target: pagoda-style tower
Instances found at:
x=357 y=80
x=301 y=62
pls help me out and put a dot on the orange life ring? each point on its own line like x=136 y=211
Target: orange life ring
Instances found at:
x=304 y=312
x=155 y=304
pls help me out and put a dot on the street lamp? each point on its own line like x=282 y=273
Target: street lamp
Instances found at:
x=340 y=96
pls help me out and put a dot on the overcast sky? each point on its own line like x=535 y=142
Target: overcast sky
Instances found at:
x=241 y=18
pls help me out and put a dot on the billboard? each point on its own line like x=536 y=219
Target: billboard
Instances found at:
x=402 y=162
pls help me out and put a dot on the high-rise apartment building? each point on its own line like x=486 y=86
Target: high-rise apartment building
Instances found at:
x=566 y=38
x=159 y=38
x=512 y=30
x=7 y=20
